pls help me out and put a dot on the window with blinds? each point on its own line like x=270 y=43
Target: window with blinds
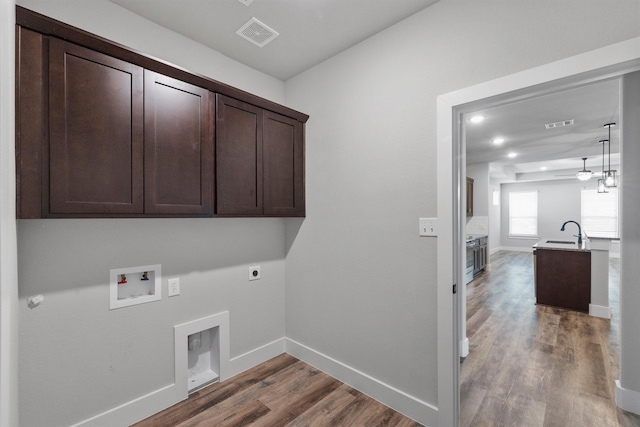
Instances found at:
x=523 y=214
x=599 y=212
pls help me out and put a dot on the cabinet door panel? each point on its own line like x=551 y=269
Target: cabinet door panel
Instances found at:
x=283 y=153
x=178 y=147
x=96 y=136
x=238 y=157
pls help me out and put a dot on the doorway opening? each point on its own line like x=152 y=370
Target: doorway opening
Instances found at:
x=583 y=69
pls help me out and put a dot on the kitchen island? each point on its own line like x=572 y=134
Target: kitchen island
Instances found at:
x=562 y=274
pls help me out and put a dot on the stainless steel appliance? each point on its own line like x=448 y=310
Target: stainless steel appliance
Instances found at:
x=471 y=245
x=476 y=256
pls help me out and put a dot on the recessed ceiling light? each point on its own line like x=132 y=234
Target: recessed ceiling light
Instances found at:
x=543 y=168
x=497 y=141
x=512 y=155
x=477 y=118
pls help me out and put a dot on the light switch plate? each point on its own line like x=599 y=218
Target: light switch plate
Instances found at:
x=174 y=287
x=428 y=226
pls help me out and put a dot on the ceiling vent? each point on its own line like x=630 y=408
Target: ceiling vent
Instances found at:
x=559 y=124
x=257 y=33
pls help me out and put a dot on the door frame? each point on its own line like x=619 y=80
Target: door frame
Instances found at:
x=603 y=63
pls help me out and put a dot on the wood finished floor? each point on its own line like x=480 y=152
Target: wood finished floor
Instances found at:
x=280 y=392
x=536 y=366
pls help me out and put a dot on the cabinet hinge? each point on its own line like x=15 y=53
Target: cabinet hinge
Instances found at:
x=455 y=288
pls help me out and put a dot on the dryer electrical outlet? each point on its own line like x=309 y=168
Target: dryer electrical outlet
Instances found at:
x=254 y=273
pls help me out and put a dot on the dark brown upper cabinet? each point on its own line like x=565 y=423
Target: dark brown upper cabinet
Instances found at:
x=102 y=131
x=259 y=161
x=283 y=166
x=178 y=147
x=238 y=157
x=96 y=133
x=469 y=193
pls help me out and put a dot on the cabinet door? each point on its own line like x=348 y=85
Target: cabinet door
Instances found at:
x=96 y=133
x=178 y=147
x=283 y=163
x=238 y=158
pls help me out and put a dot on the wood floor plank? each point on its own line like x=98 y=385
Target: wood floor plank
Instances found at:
x=323 y=411
x=472 y=397
x=283 y=391
x=548 y=366
x=207 y=397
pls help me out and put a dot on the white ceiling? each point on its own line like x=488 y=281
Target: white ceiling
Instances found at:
x=310 y=31
x=560 y=150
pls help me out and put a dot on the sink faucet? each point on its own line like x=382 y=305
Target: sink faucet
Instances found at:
x=579 y=230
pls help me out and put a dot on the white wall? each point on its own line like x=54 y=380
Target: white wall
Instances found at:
x=8 y=255
x=361 y=286
x=77 y=358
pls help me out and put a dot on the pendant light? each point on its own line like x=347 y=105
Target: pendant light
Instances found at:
x=601 y=187
x=609 y=175
x=584 y=174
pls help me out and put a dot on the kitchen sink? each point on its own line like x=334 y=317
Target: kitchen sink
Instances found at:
x=561 y=242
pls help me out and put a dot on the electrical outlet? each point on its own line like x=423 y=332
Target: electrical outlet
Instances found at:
x=174 y=287
x=254 y=273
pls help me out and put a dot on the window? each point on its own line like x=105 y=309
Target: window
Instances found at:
x=523 y=214
x=599 y=212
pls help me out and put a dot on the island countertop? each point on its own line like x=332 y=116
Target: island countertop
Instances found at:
x=561 y=245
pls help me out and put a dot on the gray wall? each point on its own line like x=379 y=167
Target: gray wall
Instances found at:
x=8 y=255
x=361 y=285
x=78 y=358
x=558 y=201
x=630 y=268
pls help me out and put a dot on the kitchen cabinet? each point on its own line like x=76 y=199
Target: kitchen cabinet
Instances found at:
x=102 y=131
x=95 y=145
x=178 y=147
x=123 y=141
x=479 y=255
x=469 y=194
x=563 y=278
x=259 y=161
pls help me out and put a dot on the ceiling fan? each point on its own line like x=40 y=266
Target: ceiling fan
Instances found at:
x=584 y=174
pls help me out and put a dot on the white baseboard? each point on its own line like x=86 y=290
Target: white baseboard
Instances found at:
x=628 y=400
x=134 y=410
x=600 y=311
x=158 y=400
x=398 y=400
x=496 y=249
x=464 y=347
x=257 y=356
